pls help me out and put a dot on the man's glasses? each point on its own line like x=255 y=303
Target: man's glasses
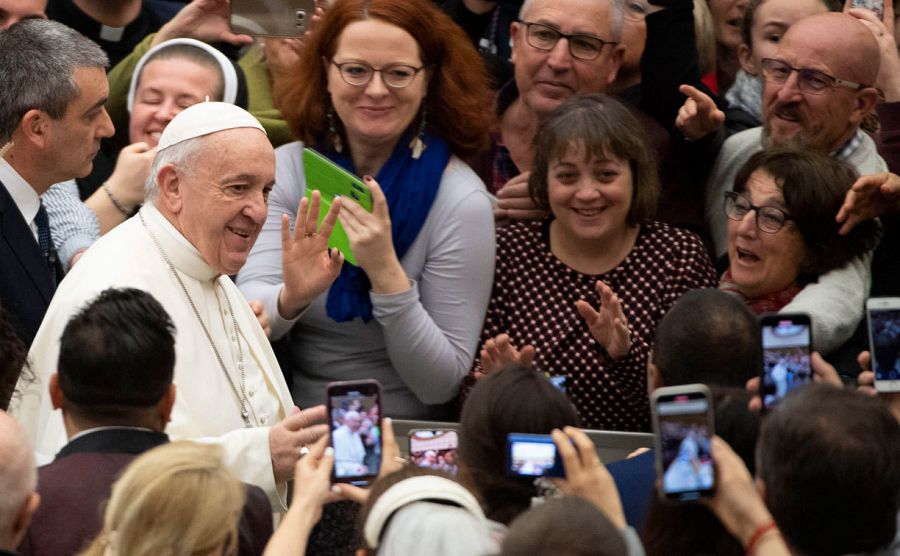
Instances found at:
x=768 y=219
x=808 y=80
x=582 y=47
x=360 y=73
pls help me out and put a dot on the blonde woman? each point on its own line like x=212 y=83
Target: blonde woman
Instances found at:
x=178 y=499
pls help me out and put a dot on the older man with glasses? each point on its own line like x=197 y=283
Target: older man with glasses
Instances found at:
x=819 y=86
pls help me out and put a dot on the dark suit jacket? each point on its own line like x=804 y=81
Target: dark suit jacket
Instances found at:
x=76 y=485
x=26 y=280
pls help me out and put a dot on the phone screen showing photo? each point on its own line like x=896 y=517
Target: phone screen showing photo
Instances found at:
x=435 y=449
x=533 y=455
x=355 y=432
x=685 y=439
x=884 y=328
x=785 y=354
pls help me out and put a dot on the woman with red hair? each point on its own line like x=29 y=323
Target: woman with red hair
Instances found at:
x=393 y=91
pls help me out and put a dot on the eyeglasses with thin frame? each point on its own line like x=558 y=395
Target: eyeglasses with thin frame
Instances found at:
x=769 y=219
x=358 y=74
x=808 y=80
x=545 y=37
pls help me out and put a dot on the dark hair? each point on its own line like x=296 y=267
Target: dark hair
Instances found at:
x=117 y=354
x=830 y=461
x=567 y=526
x=710 y=337
x=750 y=14
x=13 y=355
x=814 y=186
x=517 y=399
x=693 y=528
x=458 y=100
x=192 y=54
x=605 y=127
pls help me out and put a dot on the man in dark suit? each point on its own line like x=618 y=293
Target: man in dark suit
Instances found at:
x=114 y=387
x=51 y=121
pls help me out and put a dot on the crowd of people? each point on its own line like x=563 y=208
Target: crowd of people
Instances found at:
x=573 y=204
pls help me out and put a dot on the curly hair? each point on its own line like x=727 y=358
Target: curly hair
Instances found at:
x=13 y=359
x=458 y=99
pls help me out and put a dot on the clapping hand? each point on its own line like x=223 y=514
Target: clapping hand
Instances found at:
x=308 y=265
x=608 y=326
x=204 y=20
x=871 y=196
x=499 y=352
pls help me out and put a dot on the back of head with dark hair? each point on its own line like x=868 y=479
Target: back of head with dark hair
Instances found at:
x=707 y=337
x=517 y=399
x=13 y=355
x=830 y=461
x=568 y=526
x=693 y=528
x=814 y=186
x=116 y=354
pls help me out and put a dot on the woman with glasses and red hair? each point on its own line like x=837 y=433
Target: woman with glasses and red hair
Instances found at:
x=782 y=232
x=394 y=92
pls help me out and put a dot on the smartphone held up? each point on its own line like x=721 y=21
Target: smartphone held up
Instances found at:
x=272 y=18
x=786 y=349
x=683 y=428
x=435 y=449
x=883 y=314
x=354 y=410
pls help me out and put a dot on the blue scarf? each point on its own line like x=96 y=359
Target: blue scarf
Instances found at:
x=410 y=187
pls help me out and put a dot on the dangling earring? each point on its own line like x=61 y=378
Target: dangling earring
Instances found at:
x=417 y=145
x=333 y=132
x=5 y=148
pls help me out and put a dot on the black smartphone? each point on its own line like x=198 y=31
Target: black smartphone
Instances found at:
x=786 y=347
x=683 y=426
x=354 y=411
x=434 y=448
x=272 y=18
x=883 y=315
x=532 y=455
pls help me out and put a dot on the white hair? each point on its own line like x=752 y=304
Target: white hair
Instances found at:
x=180 y=154
x=18 y=474
x=615 y=24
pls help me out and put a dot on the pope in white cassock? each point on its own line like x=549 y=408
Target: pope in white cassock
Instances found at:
x=207 y=199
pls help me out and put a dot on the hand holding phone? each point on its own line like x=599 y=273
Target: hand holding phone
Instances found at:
x=585 y=474
x=683 y=426
x=355 y=427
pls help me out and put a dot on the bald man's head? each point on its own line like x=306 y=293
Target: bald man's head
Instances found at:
x=18 y=479
x=821 y=109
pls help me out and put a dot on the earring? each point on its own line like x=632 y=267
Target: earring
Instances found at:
x=333 y=132
x=5 y=148
x=417 y=145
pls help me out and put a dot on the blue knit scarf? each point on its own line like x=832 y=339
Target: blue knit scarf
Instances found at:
x=410 y=187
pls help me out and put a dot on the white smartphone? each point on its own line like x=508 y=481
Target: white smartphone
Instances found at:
x=876 y=6
x=883 y=314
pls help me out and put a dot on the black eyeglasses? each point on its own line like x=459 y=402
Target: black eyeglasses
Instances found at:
x=582 y=47
x=808 y=80
x=768 y=219
x=360 y=73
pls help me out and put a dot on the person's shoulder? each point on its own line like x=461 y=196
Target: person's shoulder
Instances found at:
x=289 y=154
x=749 y=139
x=520 y=236
x=460 y=180
x=670 y=239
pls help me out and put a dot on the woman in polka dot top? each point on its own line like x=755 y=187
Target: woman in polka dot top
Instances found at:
x=582 y=291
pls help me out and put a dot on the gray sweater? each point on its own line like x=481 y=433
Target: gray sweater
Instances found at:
x=421 y=342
